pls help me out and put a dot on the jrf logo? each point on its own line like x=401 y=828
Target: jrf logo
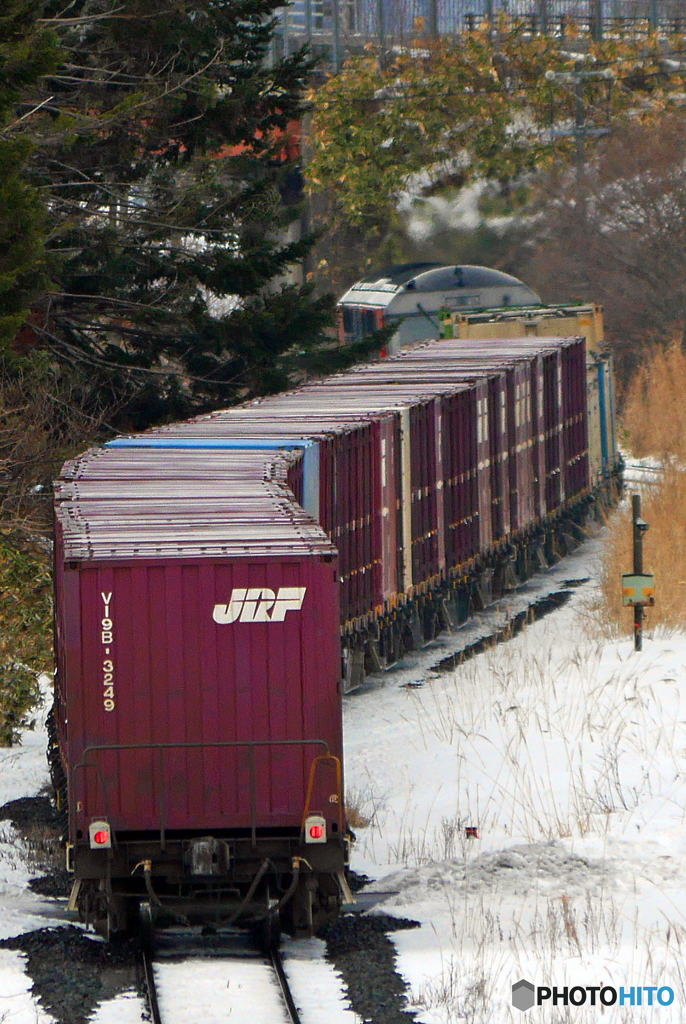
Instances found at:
x=259 y=604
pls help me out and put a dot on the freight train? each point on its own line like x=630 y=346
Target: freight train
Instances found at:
x=220 y=582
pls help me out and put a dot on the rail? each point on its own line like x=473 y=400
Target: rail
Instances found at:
x=276 y=962
x=151 y=988
x=162 y=747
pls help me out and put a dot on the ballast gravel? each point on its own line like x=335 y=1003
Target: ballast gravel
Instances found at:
x=72 y=973
x=359 y=947
x=36 y=819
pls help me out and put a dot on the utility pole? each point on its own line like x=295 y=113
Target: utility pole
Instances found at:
x=580 y=131
x=638 y=588
x=380 y=20
x=336 y=36
x=433 y=19
x=654 y=20
x=598 y=20
x=639 y=527
x=543 y=15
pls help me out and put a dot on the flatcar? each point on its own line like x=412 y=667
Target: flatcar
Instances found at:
x=220 y=582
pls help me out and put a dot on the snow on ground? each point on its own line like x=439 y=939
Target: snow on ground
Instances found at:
x=17 y=1006
x=202 y=990
x=642 y=474
x=124 y=1008
x=569 y=756
x=315 y=985
x=23 y=772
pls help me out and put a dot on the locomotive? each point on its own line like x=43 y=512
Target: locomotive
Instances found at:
x=220 y=583
x=409 y=297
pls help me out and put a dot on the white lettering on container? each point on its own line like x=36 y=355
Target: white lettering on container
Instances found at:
x=259 y=604
x=107 y=637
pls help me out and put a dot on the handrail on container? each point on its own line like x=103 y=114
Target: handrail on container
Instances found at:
x=161 y=747
x=321 y=759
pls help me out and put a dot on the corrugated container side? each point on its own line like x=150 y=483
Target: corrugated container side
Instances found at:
x=350 y=504
x=61 y=677
x=424 y=492
x=152 y=658
x=294 y=479
x=460 y=491
x=498 y=454
x=595 y=444
x=524 y=445
x=552 y=397
x=485 y=474
x=440 y=483
x=391 y=525
x=611 y=413
x=538 y=430
x=575 y=419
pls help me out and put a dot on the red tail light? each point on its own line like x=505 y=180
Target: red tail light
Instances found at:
x=100 y=835
x=315 y=829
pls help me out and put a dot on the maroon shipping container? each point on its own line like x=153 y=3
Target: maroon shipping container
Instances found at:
x=552 y=419
x=575 y=421
x=557 y=467
x=461 y=477
x=226 y=705
x=348 y=442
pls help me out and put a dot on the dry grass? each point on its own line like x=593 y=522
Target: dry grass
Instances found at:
x=359 y=809
x=654 y=418
x=664 y=554
x=44 y=851
x=654 y=425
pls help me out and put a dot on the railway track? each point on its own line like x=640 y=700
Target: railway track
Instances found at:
x=268 y=998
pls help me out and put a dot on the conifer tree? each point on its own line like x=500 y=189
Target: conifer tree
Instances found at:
x=168 y=159
x=27 y=50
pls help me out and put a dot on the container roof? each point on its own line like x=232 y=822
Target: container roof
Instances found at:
x=216 y=486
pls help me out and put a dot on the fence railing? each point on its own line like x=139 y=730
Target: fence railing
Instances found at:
x=338 y=28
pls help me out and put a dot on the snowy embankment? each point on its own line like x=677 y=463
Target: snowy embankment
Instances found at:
x=569 y=756
x=23 y=772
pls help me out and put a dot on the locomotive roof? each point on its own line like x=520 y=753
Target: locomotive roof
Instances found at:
x=431 y=277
